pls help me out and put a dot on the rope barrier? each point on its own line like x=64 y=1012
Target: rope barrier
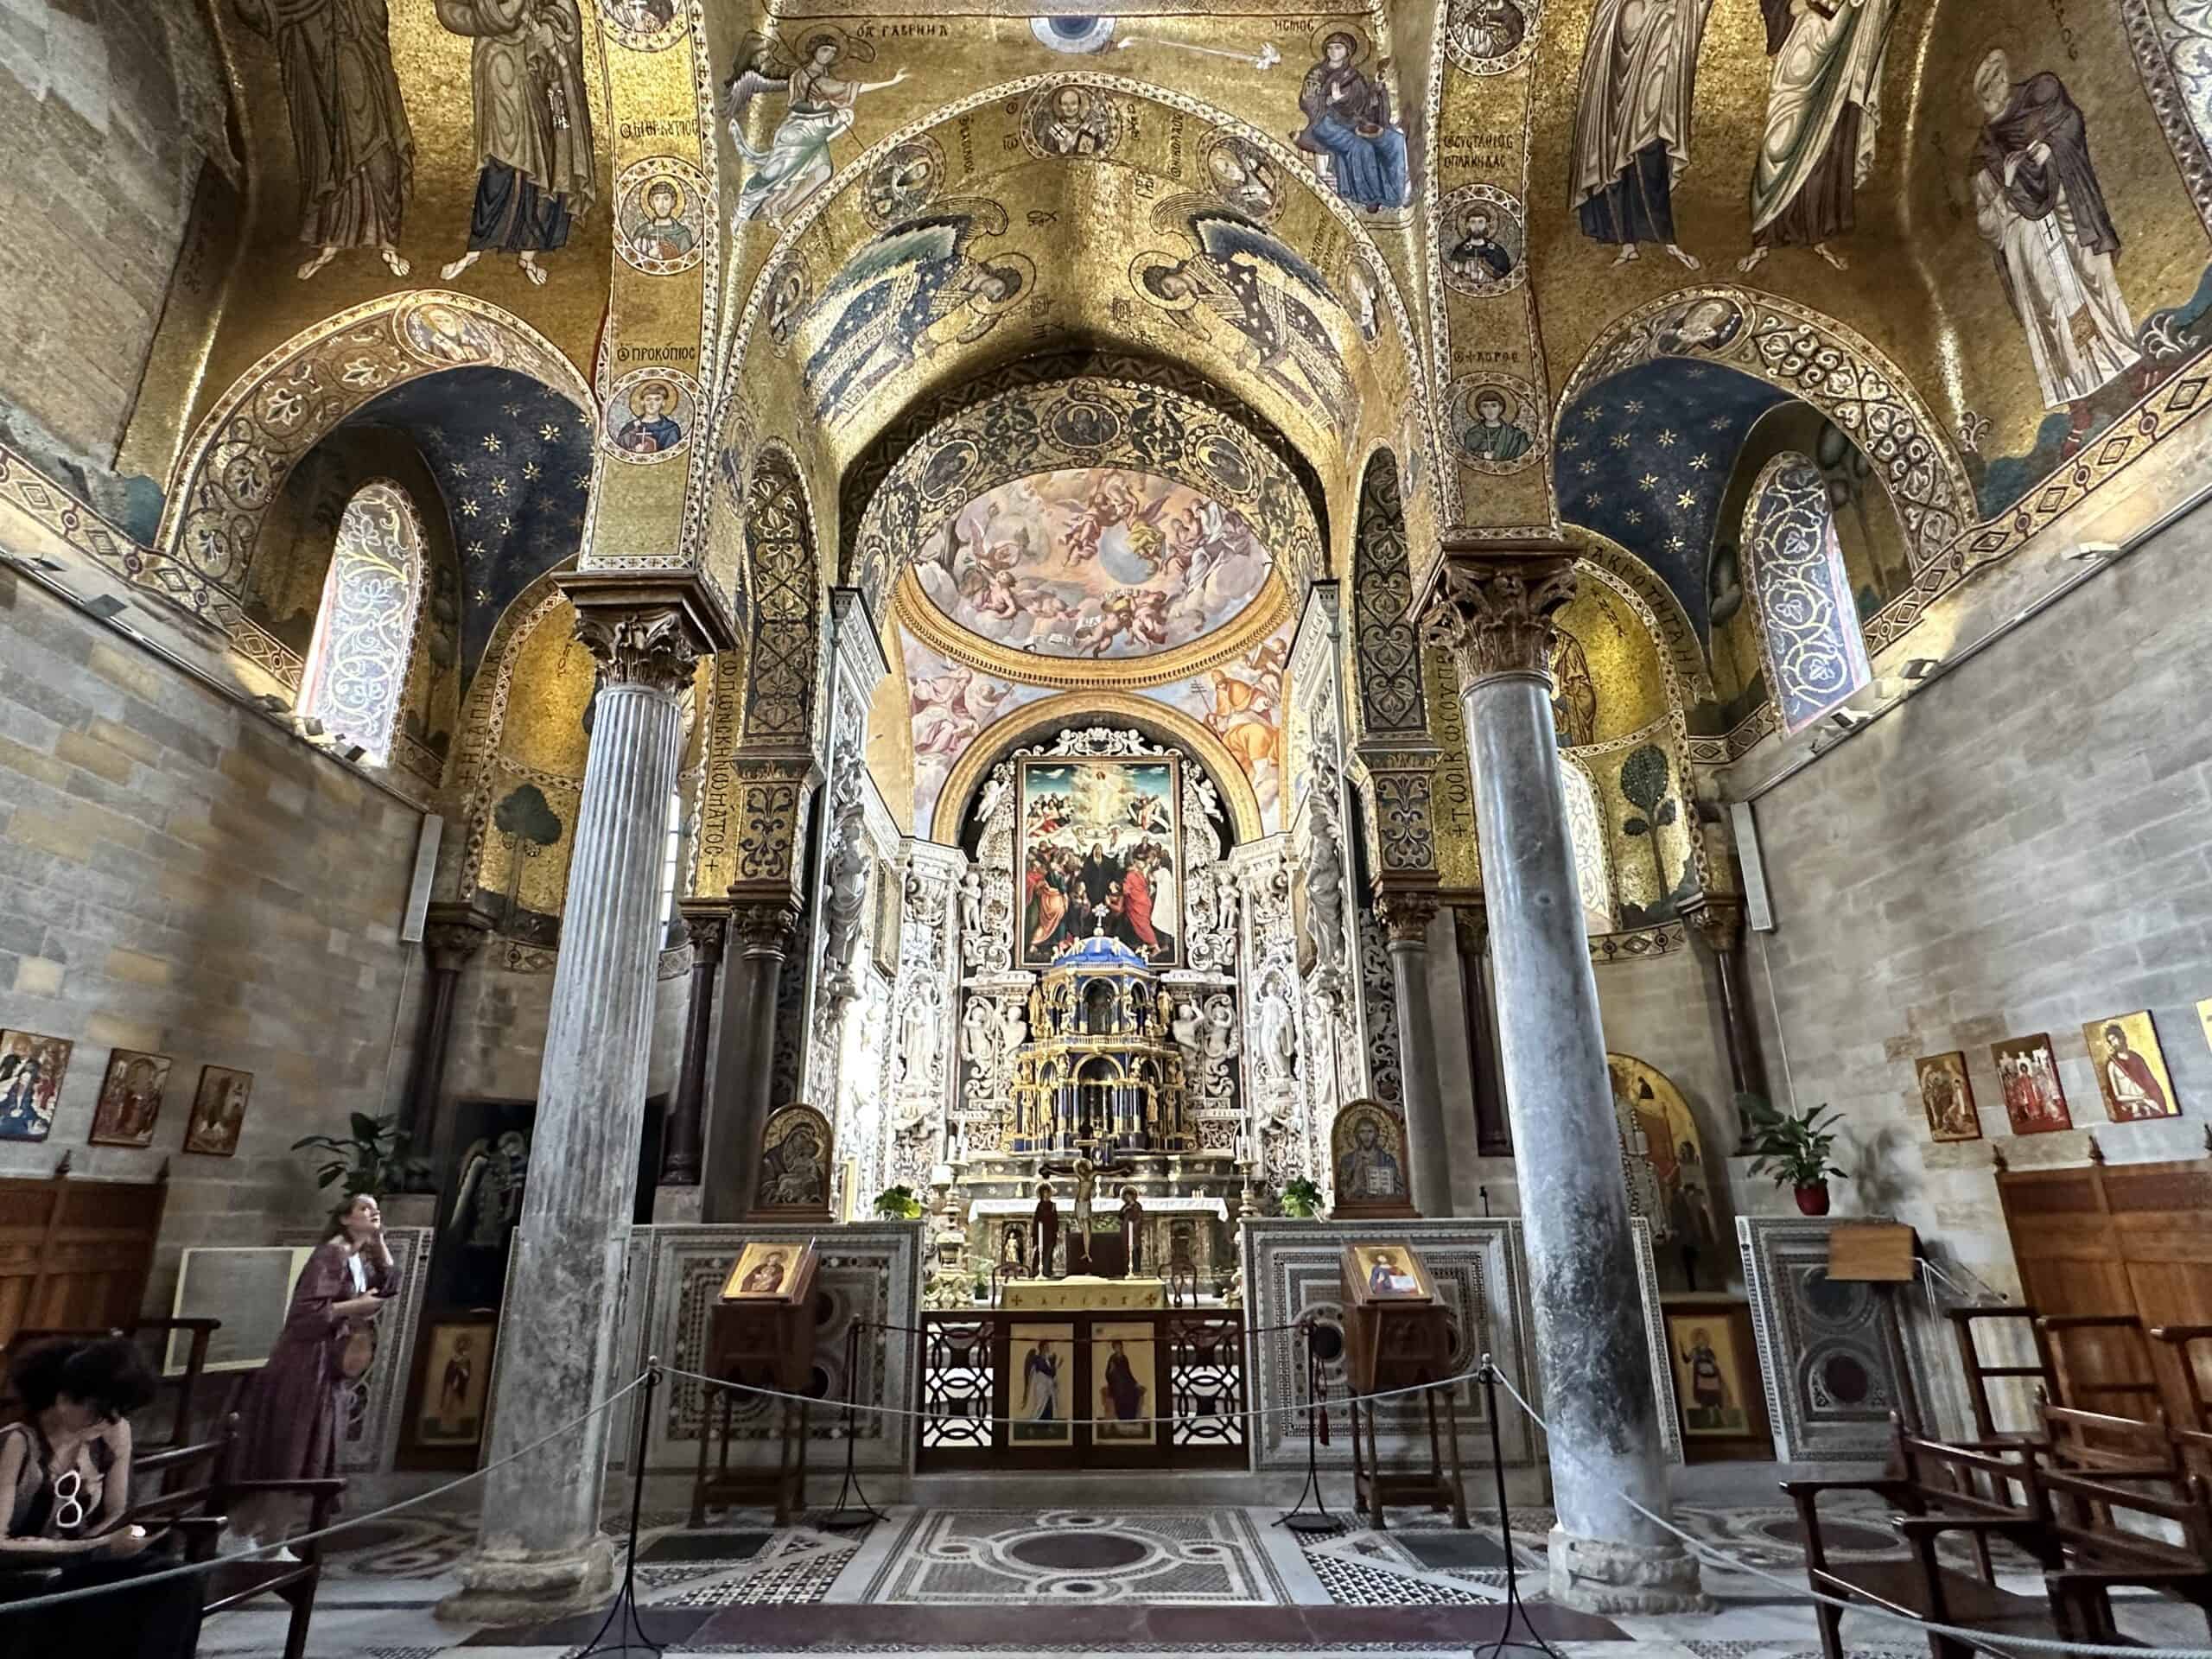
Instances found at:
x=55 y=1598
x=962 y=1417
x=1711 y=1553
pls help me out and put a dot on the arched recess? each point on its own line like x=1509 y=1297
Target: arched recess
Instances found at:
x=1036 y=722
x=784 y=665
x=1798 y=588
x=1586 y=832
x=240 y=453
x=358 y=662
x=1798 y=351
x=1386 y=647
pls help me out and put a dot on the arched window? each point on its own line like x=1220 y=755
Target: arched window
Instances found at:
x=1586 y=827
x=1808 y=627
x=356 y=670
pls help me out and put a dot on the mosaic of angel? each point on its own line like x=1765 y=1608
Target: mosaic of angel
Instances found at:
x=1093 y=562
x=1267 y=293
x=911 y=291
x=1823 y=110
x=818 y=109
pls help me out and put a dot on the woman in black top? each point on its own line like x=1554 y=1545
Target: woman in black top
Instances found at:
x=65 y=1487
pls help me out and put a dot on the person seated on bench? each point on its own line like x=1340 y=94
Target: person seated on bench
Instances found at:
x=65 y=1483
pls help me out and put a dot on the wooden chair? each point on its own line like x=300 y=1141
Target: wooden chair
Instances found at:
x=2179 y=1342
x=1935 y=1486
x=1966 y=1324
x=195 y=1506
x=2102 y=1556
x=183 y=1388
x=2099 y=1362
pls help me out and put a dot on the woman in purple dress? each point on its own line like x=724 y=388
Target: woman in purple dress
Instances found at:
x=288 y=1426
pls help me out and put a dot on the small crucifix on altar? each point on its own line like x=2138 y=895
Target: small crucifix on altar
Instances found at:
x=1086 y=1176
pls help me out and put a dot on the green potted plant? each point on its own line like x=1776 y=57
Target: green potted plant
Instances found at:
x=897 y=1204
x=1301 y=1198
x=1796 y=1150
x=373 y=1159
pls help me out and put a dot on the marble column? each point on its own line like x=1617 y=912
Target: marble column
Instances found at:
x=684 y=1138
x=452 y=936
x=1493 y=1134
x=1719 y=922
x=1491 y=605
x=745 y=1069
x=539 y=1552
x=1405 y=918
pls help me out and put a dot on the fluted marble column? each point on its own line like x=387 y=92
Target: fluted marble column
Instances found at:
x=1405 y=918
x=745 y=1069
x=1491 y=607
x=539 y=1552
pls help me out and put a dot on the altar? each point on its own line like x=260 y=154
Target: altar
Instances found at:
x=1193 y=1227
x=1084 y=1293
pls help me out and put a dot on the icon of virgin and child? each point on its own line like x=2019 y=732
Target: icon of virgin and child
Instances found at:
x=1098 y=859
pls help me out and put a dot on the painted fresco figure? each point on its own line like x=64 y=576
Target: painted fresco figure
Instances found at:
x=1823 y=110
x=2039 y=205
x=350 y=137
x=1632 y=121
x=818 y=110
x=1348 y=120
x=535 y=162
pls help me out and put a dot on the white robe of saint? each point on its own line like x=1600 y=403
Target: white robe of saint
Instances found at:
x=1826 y=64
x=2080 y=335
x=1639 y=72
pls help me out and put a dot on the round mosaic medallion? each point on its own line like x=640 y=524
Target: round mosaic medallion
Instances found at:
x=1078 y=1552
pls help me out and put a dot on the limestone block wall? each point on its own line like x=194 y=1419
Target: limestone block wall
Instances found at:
x=2021 y=848
x=179 y=876
x=111 y=107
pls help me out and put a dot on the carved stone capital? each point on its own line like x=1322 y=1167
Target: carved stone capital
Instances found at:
x=452 y=934
x=765 y=927
x=1406 y=916
x=1717 y=921
x=706 y=923
x=1490 y=606
x=642 y=631
x=1470 y=923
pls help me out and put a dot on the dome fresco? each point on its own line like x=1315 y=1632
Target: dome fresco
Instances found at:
x=1094 y=561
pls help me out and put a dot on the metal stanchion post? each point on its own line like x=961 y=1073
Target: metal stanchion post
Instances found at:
x=625 y=1601
x=1318 y=1520
x=1515 y=1607
x=840 y=1517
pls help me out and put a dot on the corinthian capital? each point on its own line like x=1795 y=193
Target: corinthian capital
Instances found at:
x=1406 y=915
x=648 y=631
x=1491 y=604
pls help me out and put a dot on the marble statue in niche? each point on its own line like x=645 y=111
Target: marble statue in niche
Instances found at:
x=1632 y=121
x=537 y=170
x=1822 y=113
x=350 y=140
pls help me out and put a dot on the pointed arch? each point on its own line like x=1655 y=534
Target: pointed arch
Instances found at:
x=1808 y=628
x=355 y=675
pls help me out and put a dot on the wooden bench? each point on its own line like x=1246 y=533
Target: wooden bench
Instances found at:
x=2102 y=1556
x=1937 y=1488
x=195 y=1503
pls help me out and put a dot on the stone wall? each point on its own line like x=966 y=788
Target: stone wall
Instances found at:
x=111 y=107
x=2021 y=848
x=178 y=875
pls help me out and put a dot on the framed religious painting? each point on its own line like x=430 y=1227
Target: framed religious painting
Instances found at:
x=454 y=1362
x=1390 y=1272
x=131 y=1098
x=1101 y=853
x=1040 y=1378
x=2204 y=1019
x=2130 y=1068
x=771 y=1269
x=1719 y=1395
x=794 y=1179
x=31 y=1070
x=1125 y=1391
x=218 y=1111
x=1947 y=1096
x=1367 y=1152
x=2027 y=1073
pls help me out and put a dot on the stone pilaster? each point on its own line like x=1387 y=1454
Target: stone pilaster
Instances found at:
x=539 y=1550
x=1405 y=916
x=1491 y=606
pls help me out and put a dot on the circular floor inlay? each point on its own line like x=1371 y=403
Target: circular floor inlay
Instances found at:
x=1078 y=1551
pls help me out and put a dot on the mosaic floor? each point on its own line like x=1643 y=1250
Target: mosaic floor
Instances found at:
x=1105 y=1581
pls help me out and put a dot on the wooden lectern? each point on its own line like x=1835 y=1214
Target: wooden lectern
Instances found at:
x=761 y=1332
x=1398 y=1335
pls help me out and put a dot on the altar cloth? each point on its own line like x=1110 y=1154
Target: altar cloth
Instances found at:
x=1082 y=1294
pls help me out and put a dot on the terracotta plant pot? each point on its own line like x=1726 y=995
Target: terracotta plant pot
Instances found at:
x=1813 y=1200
